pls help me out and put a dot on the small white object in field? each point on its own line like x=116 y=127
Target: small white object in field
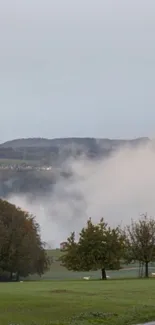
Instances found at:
x=86 y=277
x=21 y=281
x=153 y=274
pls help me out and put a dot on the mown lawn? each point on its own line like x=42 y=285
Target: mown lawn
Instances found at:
x=77 y=302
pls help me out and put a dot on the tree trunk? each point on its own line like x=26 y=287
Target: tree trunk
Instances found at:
x=17 y=276
x=146 y=269
x=11 y=276
x=103 y=277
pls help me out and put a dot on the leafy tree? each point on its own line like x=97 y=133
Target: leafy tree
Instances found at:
x=70 y=257
x=140 y=241
x=98 y=247
x=21 y=249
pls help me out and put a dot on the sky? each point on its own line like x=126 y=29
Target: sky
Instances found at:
x=77 y=68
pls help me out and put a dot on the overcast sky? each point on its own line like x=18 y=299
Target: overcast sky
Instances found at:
x=77 y=68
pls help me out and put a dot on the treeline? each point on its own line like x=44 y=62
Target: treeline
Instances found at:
x=10 y=153
x=31 y=153
x=22 y=252
x=53 y=154
x=101 y=247
x=46 y=151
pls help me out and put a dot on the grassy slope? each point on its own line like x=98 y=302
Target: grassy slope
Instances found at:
x=5 y=161
x=57 y=272
x=42 y=302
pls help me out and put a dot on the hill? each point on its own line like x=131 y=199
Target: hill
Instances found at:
x=24 y=163
x=58 y=142
x=54 y=151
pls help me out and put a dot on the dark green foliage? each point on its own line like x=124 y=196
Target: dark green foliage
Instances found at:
x=99 y=248
x=70 y=257
x=21 y=249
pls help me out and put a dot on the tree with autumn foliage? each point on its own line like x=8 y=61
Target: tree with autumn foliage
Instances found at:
x=140 y=241
x=99 y=248
x=21 y=250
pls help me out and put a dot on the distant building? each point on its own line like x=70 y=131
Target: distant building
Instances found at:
x=62 y=245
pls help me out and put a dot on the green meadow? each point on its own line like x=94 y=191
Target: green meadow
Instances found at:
x=57 y=272
x=114 y=302
x=63 y=297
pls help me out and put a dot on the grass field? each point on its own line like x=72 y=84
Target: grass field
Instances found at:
x=4 y=161
x=77 y=302
x=57 y=272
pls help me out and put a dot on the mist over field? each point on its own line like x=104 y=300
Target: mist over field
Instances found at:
x=77 y=69
x=117 y=188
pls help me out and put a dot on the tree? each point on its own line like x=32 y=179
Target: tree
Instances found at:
x=140 y=241
x=98 y=247
x=21 y=249
x=70 y=257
